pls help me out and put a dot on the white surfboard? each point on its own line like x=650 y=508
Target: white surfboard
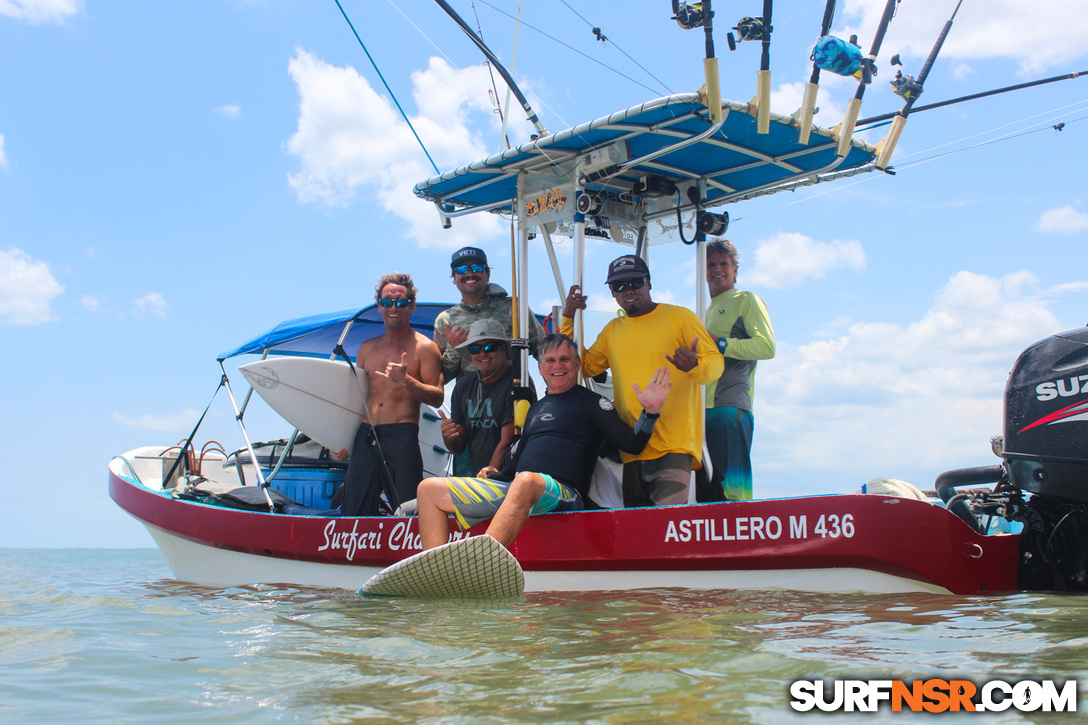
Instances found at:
x=478 y=567
x=322 y=398
x=325 y=400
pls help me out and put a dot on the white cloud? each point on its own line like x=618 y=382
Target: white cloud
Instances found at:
x=3 y=154
x=151 y=304
x=171 y=423
x=90 y=303
x=786 y=99
x=1037 y=35
x=27 y=289
x=1062 y=219
x=350 y=138
x=788 y=259
x=962 y=71
x=886 y=400
x=231 y=111
x=40 y=11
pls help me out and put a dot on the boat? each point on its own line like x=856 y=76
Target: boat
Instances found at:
x=958 y=542
x=646 y=175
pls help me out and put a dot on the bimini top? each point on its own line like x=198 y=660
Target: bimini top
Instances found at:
x=316 y=335
x=659 y=138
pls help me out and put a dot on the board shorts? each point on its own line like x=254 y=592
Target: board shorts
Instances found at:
x=478 y=499
x=729 y=442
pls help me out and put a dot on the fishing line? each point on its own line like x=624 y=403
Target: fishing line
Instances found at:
x=987 y=143
x=995 y=129
x=513 y=60
x=916 y=162
x=494 y=87
x=425 y=36
x=387 y=88
x=572 y=48
x=597 y=32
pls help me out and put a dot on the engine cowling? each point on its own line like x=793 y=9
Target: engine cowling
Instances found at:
x=1045 y=440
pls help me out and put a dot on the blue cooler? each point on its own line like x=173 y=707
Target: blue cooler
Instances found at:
x=311 y=487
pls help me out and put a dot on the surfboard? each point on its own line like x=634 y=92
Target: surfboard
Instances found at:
x=478 y=567
x=322 y=398
x=325 y=400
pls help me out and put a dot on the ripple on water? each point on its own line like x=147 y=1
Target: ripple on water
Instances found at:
x=111 y=636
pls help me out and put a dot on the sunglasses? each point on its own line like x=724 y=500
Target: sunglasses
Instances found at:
x=390 y=302
x=466 y=268
x=486 y=347
x=628 y=284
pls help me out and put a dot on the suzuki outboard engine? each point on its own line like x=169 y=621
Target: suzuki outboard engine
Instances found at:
x=1042 y=481
x=1045 y=449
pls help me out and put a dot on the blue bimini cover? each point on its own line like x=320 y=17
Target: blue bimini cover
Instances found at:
x=316 y=335
x=734 y=162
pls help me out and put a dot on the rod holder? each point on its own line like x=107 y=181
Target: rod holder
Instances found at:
x=885 y=148
x=844 y=132
x=804 y=114
x=763 y=104
x=713 y=89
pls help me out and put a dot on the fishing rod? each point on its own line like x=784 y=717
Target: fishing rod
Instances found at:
x=868 y=70
x=873 y=120
x=478 y=41
x=695 y=15
x=909 y=89
x=749 y=28
x=808 y=103
x=763 y=84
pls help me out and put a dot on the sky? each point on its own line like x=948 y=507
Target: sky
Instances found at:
x=178 y=177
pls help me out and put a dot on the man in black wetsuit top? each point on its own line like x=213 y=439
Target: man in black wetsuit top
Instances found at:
x=551 y=466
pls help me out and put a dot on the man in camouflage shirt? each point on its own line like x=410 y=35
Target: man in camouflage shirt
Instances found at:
x=479 y=300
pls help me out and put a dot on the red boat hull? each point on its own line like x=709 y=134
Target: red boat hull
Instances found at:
x=796 y=543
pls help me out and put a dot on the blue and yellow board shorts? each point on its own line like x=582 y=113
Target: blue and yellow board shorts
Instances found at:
x=478 y=499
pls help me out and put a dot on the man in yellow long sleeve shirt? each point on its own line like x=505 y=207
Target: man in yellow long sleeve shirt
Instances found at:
x=648 y=335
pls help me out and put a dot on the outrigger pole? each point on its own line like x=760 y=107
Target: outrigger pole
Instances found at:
x=874 y=120
x=845 y=130
x=808 y=103
x=909 y=89
x=518 y=344
x=529 y=112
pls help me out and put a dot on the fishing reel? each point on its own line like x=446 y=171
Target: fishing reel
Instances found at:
x=690 y=15
x=904 y=85
x=747 y=29
x=711 y=224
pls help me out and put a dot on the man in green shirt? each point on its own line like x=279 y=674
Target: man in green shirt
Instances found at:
x=739 y=325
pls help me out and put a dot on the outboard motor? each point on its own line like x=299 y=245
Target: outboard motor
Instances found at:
x=1045 y=449
x=1046 y=452
x=1042 y=481
x=1046 y=417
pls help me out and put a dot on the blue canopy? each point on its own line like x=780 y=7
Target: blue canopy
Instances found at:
x=735 y=161
x=316 y=335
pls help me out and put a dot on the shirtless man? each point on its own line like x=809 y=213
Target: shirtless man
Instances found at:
x=404 y=370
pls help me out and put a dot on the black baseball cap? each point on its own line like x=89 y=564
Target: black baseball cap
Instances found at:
x=629 y=266
x=465 y=255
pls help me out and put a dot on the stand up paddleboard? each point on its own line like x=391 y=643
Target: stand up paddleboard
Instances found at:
x=478 y=567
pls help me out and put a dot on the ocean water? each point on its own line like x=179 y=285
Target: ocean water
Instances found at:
x=108 y=636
